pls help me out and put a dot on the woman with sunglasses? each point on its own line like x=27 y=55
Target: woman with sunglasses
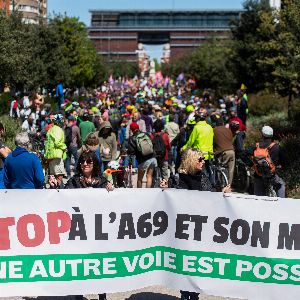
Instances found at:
x=88 y=173
x=88 y=176
x=192 y=176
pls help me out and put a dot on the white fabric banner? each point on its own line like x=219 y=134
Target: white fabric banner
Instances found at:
x=89 y=241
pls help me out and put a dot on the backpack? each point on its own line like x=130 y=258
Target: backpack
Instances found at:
x=144 y=144
x=159 y=146
x=15 y=105
x=263 y=164
x=114 y=115
x=68 y=135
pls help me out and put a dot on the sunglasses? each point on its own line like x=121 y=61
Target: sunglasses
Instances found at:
x=201 y=159
x=88 y=161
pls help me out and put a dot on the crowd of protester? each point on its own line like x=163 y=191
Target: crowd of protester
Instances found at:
x=154 y=120
x=157 y=125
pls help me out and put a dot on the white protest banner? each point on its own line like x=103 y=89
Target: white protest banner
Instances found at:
x=85 y=241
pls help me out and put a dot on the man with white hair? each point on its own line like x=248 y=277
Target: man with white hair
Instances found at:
x=22 y=169
x=267 y=156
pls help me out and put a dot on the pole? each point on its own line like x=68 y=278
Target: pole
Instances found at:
x=13 y=6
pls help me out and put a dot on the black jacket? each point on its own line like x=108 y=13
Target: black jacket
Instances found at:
x=197 y=182
x=78 y=182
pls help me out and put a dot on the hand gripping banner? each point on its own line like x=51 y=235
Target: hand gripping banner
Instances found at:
x=89 y=241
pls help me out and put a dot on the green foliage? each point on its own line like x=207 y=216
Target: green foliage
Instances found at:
x=279 y=50
x=245 y=47
x=14 y=50
x=291 y=174
x=78 y=49
x=12 y=127
x=210 y=65
x=265 y=103
x=5 y=100
x=34 y=56
x=122 y=68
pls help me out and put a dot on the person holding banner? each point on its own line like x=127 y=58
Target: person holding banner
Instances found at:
x=88 y=173
x=88 y=176
x=192 y=176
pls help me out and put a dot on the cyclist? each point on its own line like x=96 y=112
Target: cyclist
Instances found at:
x=202 y=138
x=223 y=146
x=238 y=139
x=276 y=156
x=181 y=139
x=55 y=147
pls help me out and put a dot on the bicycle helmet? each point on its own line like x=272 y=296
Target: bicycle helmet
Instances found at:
x=201 y=114
x=191 y=121
x=267 y=131
x=58 y=119
x=190 y=108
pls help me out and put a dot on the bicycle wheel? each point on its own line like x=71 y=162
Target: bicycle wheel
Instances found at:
x=156 y=178
x=271 y=191
x=222 y=179
x=241 y=178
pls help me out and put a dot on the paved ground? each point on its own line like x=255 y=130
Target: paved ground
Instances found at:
x=151 y=293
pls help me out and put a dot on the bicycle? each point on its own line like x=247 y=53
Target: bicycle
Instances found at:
x=241 y=177
x=218 y=173
x=157 y=177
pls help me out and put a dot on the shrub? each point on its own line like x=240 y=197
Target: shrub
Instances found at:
x=264 y=103
x=5 y=100
x=12 y=127
x=291 y=149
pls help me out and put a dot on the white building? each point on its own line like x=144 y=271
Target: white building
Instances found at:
x=33 y=10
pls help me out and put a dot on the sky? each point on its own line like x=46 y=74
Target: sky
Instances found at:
x=80 y=9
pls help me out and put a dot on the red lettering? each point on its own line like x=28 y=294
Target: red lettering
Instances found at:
x=39 y=230
x=58 y=222
x=4 y=232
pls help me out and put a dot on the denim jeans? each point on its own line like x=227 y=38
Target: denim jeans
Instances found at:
x=72 y=151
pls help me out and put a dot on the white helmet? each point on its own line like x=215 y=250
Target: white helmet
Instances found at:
x=267 y=131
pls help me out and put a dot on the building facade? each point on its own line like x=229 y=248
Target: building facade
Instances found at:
x=119 y=35
x=275 y=3
x=4 y=5
x=34 y=11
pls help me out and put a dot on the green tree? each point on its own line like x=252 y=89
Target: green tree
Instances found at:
x=279 y=49
x=246 y=38
x=14 y=51
x=211 y=65
x=79 y=51
x=49 y=63
x=120 y=68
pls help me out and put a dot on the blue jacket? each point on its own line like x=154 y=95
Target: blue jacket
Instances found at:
x=59 y=90
x=23 y=170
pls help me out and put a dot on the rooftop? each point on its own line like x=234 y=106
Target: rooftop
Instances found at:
x=132 y=11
